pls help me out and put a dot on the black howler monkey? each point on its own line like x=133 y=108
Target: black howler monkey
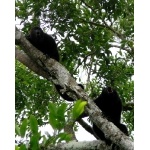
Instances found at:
x=46 y=44
x=43 y=42
x=111 y=106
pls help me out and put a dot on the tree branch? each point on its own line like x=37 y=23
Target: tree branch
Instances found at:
x=89 y=6
x=86 y=145
x=28 y=62
x=105 y=26
x=111 y=29
x=123 y=48
x=128 y=106
x=86 y=127
x=69 y=129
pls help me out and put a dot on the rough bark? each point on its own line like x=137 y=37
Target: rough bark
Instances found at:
x=86 y=145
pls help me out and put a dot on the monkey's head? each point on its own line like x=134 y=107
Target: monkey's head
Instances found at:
x=37 y=34
x=109 y=92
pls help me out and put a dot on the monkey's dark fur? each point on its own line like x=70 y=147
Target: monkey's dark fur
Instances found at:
x=111 y=106
x=43 y=42
x=46 y=44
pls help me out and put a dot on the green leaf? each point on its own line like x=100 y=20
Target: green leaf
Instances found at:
x=56 y=115
x=52 y=108
x=61 y=112
x=23 y=147
x=64 y=136
x=34 y=142
x=23 y=128
x=53 y=121
x=68 y=137
x=17 y=147
x=62 y=108
x=78 y=108
x=17 y=130
x=33 y=124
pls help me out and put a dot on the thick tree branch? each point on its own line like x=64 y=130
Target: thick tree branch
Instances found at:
x=28 y=62
x=59 y=75
x=86 y=145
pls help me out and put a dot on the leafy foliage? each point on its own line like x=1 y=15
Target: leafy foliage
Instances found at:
x=57 y=115
x=96 y=44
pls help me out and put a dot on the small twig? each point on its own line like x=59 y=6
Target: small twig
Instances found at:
x=123 y=48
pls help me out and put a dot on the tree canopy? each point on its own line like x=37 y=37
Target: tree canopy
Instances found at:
x=96 y=45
